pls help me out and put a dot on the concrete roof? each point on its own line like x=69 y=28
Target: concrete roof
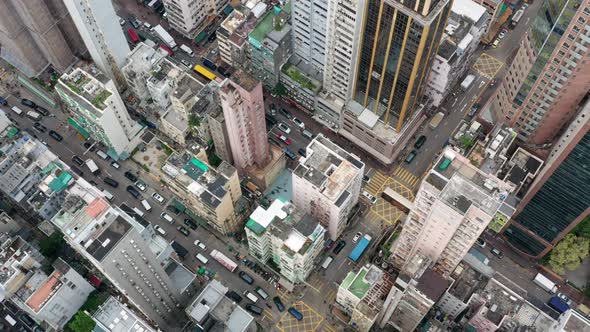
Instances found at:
x=468 y=8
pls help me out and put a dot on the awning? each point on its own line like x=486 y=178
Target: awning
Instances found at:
x=81 y=130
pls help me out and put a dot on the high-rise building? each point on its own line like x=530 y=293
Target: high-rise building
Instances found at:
x=453 y=206
x=327 y=184
x=398 y=45
x=342 y=46
x=243 y=109
x=557 y=200
x=189 y=17
x=548 y=77
x=138 y=69
x=128 y=252
x=97 y=110
x=291 y=239
x=96 y=21
x=35 y=34
x=309 y=24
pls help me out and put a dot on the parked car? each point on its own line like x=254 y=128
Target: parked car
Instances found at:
x=420 y=141
x=411 y=156
x=370 y=197
x=188 y=222
x=284 y=128
x=167 y=217
x=480 y=243
x=183 y=230
x=473 y=109
x=55 y=136
x=133 y=191
x=111 y=182
x=115 y=165
x=130 y=176
x=254 y=309
x=497 y=253
x=199 y=244
x=234 y=296
x=42 y=110
x=290 y=154
x=140 y=185
x=38 y=126
x=279 y=303
x=286 y=113
x=284 y=139
x=366 y=179
x=356 y=237
x=299 y=123
x=134 y=22
x=158 y=198
x=28 y=103
x=339 y=247
x=501 y=35
x=302 y=152
x=78 y=160
x=244 y=276
x=3 y=101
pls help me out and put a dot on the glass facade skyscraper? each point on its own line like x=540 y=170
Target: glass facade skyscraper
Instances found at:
x=399 y=43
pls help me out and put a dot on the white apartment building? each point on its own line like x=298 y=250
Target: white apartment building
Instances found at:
x=114 y=316
x=137 y=69
x=291 y=239
x=189 y=17
x=309 y=24
x=97 y=23
x=327 y=184
x=126 y=249
x=454 y=204
x=344 y=24
x=162 y=81
x=96 y=109
x=466 y=26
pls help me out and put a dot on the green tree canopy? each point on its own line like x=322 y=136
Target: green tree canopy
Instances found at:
x=82 y=323
x=52 y=245
x=569 y=253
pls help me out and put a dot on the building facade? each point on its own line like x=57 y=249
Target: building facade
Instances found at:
x=293 y=241
x=556 y=201
x=96 y=109
x=105 y=41
x=243 y=109
x=189 y=17
x=548 y=78
x=453 y=206
x=309 y=24
x=37 y=34
x=327 y=184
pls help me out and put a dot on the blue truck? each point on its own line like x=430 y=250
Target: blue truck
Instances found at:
x=558 y=304
x=360 y=248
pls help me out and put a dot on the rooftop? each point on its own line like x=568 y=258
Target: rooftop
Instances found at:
x=243 y=80
x=500 y=301
x=467 y=282
x=14 y=253
x=432 y=284
x=90 y=87
x=108 y=239
x=114 y=316
x=469 y=9
x=329 y=167
x=301 y=77
x=187 y=87
x=164 y=71
x=176 y=120
x=360 y=283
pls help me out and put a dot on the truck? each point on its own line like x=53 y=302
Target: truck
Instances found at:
x=558 y=304
x=92 y=167
x=253 y=188
x=164 y=36
x=545 y=283
x=179 y=249
x=17 y=110
x=467 y=82
x=33 y=115
x=436 y=120
x=360 y=248
x=224 y=260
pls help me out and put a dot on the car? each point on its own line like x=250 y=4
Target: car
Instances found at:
x=496 y=43
x=273 y=109
x=78 y=160
x=279 y=303
x=339 y=247
x=173 y=209
x=111 y=182
x=473 y=109
x=28 y=103
x=222 y=70
x=271 y=120
x=183 y=230
x=564 y=298
x=167 y=217
x=284 y=139
x=39 y=127
x=234 y=296
x=134 y=22
x=329 y=244
x=356 y=237
x=480 y=243
x=121 y=22
x=299 y=123
x=290 y=154
x=295 y=313
x=186 y=63
x=366 y=179
x=3 y=101
x=254 y=309
x=302 y=152
x=411 y=156
x=42 y=110
x=496 y=253
x=55 y=136
x=286 y=113
x=158 y=197
x=370 y=197
x=90 y=146
x=247 y=279
x=115 y=165
x=501 y=35
x=525 y=5
x=200 y=245
x=140 y=185
x=133 y=192
x=284 y=128
x=420 y=141
x=130 y=176
x=188 y=222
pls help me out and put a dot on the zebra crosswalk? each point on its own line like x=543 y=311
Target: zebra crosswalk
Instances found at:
x=375 y=187
x=403 y=175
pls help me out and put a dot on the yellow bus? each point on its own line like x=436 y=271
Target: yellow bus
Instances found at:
x=207 y=74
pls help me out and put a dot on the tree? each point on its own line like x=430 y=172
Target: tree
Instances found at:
x=280 y=90
x=569 y=253
x=82 y=323
x=52 y=245
x=583 y=228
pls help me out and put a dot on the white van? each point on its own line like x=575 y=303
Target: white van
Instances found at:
x=102 y=154
x=167 y=217
x=10 y=320
x=138 y=211
x=108 y=195
x=307 y=134
x=160 y=230
x=251 y=296
x=17 y=110
x=146 y=205
x=187 y=50
x=202 y=259
x=327 y=262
